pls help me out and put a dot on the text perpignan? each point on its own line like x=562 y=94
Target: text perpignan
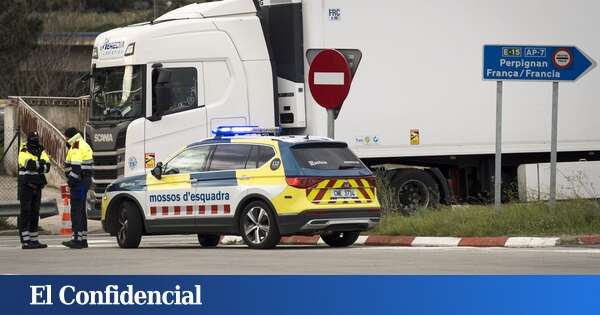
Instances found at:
x=115 y=295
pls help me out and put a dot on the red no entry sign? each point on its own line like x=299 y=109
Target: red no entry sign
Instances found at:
x=329 y=78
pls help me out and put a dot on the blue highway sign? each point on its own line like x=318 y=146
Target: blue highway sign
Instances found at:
x=534 y=63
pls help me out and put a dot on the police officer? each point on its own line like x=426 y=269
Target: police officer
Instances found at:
x=78 y=169
x=33 y=164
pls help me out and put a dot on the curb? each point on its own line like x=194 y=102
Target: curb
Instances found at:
x=421 y=241
x=588 y=240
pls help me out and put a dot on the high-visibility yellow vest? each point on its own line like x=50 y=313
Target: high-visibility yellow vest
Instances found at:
x=29 y=166
x=79 y=161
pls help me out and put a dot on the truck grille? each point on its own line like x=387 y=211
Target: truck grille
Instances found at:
x=105 y=160
x=106 y=174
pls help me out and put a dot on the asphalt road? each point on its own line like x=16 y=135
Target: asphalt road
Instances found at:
x=182 y=255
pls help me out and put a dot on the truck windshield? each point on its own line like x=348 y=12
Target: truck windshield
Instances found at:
x=117 y=93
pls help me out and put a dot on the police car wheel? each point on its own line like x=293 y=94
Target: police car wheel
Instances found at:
x=340 y=239
x=209 y=240
x=258 y=226
x=130 y=226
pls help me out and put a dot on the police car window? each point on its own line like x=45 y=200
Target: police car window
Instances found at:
x=326 y=157
x=259 y=155
x=230 y=157
x=188 y=161
x=253 y=157
x=265 y=154
x=179 y=85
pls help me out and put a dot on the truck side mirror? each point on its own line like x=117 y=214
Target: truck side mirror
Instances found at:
x=158 y=170
x=162 y=97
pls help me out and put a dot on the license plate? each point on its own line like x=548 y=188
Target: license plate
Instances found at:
x=344 y=193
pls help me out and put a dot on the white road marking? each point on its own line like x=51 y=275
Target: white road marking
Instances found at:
x=100 y=241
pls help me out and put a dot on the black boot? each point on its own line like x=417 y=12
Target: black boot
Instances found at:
x=85 y=243
x=75 y=244
x=37 y=244
x=27 y=245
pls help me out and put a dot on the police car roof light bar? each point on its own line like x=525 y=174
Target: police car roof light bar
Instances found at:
x=229 y=131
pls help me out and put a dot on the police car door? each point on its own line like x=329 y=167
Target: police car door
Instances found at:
x=169 y=198
x=217 y=190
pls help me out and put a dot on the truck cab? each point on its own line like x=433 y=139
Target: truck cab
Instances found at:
x=158 y=85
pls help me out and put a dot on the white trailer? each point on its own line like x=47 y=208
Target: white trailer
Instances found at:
x=160 y=85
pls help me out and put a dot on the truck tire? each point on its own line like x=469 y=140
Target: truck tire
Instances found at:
x=340 y=239
x=209 y=240
x=130 y=226
x=415 y=189
x=258 y=226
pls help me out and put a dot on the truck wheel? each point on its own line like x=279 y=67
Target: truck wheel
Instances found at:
x=416 y=189
x=340 y=239
x=258 y=226
x=209 y=240
x=130 y=226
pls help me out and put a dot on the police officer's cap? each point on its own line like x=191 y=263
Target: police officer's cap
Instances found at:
x=33 y=137
x=70 y=132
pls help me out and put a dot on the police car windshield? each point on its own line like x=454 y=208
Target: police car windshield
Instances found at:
x=117 y=93
x=326 y=157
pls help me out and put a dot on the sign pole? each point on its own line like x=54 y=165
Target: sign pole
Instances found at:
x=331 y=123
x=498 y=158
x=553 y=145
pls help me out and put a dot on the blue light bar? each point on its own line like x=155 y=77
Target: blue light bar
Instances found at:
x=229 y=131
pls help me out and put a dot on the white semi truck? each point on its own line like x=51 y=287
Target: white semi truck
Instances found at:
x=417 y=104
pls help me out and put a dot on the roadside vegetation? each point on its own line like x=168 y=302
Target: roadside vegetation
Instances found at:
x=575 y=217
x=571 y=217
x=91 y=21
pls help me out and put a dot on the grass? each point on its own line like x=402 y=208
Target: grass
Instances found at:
x=576 y=217
x=62 y=21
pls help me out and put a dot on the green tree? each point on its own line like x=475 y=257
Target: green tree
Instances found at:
x=19 y=32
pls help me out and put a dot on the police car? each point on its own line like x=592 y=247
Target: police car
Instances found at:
x=242 y=182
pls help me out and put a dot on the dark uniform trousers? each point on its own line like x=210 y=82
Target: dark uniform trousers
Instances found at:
x=30 y=196
x=78 y=209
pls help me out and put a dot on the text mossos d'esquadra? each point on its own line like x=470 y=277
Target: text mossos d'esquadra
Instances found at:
x=115 y=295
x=189 y=196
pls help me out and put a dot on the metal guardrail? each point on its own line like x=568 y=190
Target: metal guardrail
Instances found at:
x=48 y=208
x=52 y=139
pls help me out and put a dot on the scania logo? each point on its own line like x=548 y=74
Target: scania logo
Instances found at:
x=103 y=137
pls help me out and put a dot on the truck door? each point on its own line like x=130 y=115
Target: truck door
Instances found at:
x=226 y=95
x=177 y=114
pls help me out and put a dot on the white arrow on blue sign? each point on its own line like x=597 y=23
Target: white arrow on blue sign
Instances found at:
x=534 y=63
